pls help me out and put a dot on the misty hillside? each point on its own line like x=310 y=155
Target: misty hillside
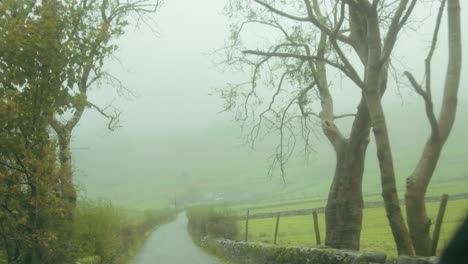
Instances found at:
x=147 y=169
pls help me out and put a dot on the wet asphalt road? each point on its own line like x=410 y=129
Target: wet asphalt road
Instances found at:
x=171 y=244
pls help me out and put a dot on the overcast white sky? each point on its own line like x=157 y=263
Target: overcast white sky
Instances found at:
x=172 y=73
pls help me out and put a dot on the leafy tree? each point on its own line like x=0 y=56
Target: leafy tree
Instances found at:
x=31 y=215
x=52 y=52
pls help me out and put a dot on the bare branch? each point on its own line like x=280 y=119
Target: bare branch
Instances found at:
x=398 y=21
x=281 y=13
x=344 y=116
x=351 y=74
x=113 y=118
x=350 y=71
x=416 y=86
x=120 y=87
x=301 y=98
x=432 y=49
x=310 y=18
x=408 y=13
x=340 y=21
x=428 y=105
x=427 y=94
x=310 y=113
x=256 y=129
x=320 y=22
x=281 y=160
x=333 y=35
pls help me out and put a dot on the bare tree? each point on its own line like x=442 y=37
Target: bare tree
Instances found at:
x=315 y=39
x=417 y=183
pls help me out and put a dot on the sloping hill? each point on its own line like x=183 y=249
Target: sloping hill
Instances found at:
x=211 y=164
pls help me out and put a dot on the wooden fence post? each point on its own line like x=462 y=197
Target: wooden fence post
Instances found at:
x=247 y=226
x=438 y=224
x=276 y=227
x=316 y=228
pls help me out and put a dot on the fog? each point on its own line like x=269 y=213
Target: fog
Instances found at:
x=174 y=139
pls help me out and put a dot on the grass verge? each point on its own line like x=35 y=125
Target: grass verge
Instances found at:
x=375 y=236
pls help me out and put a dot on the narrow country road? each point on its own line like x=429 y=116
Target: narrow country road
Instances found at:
x=171 y=244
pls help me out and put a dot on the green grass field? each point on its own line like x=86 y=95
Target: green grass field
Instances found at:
x=376 y=234
x=450 y=187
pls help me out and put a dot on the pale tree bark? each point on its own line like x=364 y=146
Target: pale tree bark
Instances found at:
x=343 y=212
x=387 y=174
x=344 y=209
x=345 y=202
x=365 y=23
x=66 y=187
x=417 y=183
x=366 y=41
x=66 y=172
x=344 y=206
x=384 y=153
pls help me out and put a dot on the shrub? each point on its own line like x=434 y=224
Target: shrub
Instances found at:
x=109 y=233
x=212 y=222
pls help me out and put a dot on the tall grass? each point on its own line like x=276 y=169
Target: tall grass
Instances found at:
x=110 y=234
x=215 y=223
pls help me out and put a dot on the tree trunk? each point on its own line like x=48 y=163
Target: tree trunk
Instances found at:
x=31 y=255
x=418 y=222
x=343 y=214
x=67 y=188
x=375 y=71
x=417 y=183
x=387 y=175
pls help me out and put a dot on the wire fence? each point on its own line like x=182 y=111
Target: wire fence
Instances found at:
x=306 y=227
x=372 y=204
